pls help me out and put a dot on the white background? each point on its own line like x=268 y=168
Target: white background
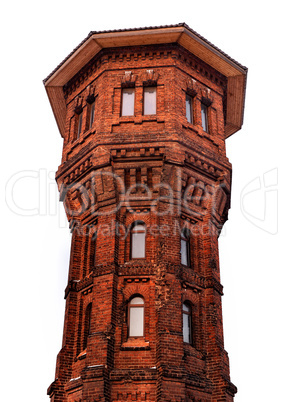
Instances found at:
x=35 y=38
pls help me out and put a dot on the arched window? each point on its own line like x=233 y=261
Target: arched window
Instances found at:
x=136 y=317
x=187 y=323
x=138 y=233
x=185 y=248
x=87 y=324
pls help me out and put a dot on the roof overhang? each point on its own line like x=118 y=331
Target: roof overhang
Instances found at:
x=236 y=74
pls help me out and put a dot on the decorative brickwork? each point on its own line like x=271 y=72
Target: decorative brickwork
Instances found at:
x=130 y=185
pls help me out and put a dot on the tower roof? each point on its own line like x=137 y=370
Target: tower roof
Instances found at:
x=181 y=34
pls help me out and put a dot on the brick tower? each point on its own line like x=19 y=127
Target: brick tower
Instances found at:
x=145 y=181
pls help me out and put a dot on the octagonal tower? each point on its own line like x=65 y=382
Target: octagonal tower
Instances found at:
x=145 y=181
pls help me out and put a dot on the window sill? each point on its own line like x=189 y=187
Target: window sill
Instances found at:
x=127 y=119
x=83 y=136
x=190 y=350
x=137 y=119
x=186 y=266
x=72 y=145
x=150 y=117
x=190 y=126
x=81 y=356
x=135 y=344
x=197 y=129
x=139 y=262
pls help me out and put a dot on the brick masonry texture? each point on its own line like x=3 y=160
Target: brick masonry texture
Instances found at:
x=169 y=174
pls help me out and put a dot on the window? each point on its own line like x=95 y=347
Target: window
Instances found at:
x=189 y=109
x=136 y=317
x=138 y=233
x=187 y=323
x=185 y=248
x=149 y=100
x=204 y=119
x=80 y=121
x=93 y=250
x=128 y=102
x=87 y=325
x=91 y=113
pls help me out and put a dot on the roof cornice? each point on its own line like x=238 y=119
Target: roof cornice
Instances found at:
x=181 y=34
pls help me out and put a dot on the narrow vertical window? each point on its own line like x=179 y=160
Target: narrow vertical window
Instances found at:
x=128 y=102
x=136 y=317
x=149 y=177
x=189 y=109
x=204 y=119
x=80 y=123
x=138 y=176
x=91 y=113
x=185 y=248
x=127 y=178
x=149 y=100
x=87 y=324
x=187 y=323
x=93 y=251
x=138 y=233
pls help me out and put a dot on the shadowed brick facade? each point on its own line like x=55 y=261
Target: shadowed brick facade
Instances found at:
x=164 y=175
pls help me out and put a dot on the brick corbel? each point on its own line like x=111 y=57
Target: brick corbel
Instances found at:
x=128 y=79
x=206 y=96
x=150 y=78
x=192 y=87
x=78 y=107
x=90 y=94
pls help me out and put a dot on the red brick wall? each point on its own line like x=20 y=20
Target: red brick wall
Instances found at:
x=170 y=174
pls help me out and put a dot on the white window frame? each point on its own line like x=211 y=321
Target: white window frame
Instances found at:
x=149 y=100
x=128 y=104
x=137 y=229
x=136 y=304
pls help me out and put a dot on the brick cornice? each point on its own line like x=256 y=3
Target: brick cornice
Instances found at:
x=172 y=52
x=74 y=383
x=215 y=284
x=133 y=375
